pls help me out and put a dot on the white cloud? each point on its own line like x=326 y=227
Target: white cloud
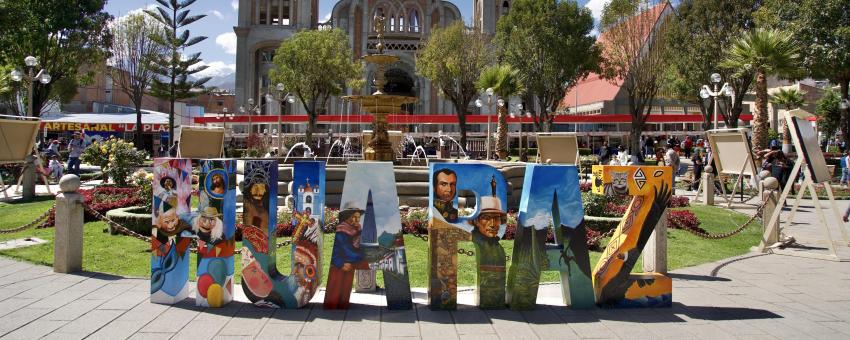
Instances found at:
x=216 y=69
x=216 y=14
x=596 y=7
x=539 y=221
x=135 y=11
x=235 y=5
x=227 y=41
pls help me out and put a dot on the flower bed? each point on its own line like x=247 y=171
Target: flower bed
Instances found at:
x=105 y=198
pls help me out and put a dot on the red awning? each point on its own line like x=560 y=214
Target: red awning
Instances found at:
x=452 y=119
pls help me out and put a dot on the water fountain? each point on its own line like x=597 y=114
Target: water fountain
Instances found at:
x=380 y=104
x=417 y=150
x=440 y=136
x=308 y=152
x=337 y=143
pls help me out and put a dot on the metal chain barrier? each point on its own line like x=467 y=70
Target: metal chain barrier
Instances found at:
x=119 y=228
x=710 y=236
x=37 y=222
x=608 y=233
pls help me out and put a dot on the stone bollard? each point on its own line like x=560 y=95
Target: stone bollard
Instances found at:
x=655 y=252
x=707 y=186
x=29 y=179
x=365 y=280
x=770 y=196
x=68 y=241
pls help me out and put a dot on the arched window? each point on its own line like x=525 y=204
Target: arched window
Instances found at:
x=506 y=6
x=392 y=23
x=401 y=22
x=413 y=21
x=309 y=199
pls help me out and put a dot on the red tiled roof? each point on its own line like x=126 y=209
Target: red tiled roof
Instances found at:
x=594 y=89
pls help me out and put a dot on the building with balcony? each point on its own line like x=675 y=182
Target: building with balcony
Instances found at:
x=263 y=24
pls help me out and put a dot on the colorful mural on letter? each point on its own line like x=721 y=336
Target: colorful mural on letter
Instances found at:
x=261 y=281
x=484 y=228
x=215 y=226
x=550 y=199
x=369 y=236
x=171 y=236
x=651 y=188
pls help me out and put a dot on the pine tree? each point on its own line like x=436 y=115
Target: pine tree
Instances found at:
x=174 y=68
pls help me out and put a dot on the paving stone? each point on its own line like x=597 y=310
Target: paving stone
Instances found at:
x=151 y=336
x=90 y=322
x=400 y=323
x=249 y=322
x=73 y=310
x=200 y=329
x=118 y=329
x=35 y=329
x=173 y=319
x=280 y=330
x=323 y=323
x=360 y=330
x=469 y=320
x=12 y=304
x=19 y=318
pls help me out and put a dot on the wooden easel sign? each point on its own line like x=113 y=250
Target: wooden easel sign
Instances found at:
x=815 y=172
x=198 y=142
x=558 y=148
x=733 y=155
x=17 y=138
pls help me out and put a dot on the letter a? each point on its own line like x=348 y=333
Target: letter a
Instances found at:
x=369 y=239
x=550 y=197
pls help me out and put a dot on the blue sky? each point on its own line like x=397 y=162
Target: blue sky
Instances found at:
x=219 y=49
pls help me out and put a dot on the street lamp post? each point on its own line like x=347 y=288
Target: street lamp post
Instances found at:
x=707 y=92
x=489 y=103
x=522 y=148
x=251 y=109
x=280 y=95
x=43 y=77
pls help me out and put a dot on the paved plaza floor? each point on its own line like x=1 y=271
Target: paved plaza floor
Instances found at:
x=751 y=297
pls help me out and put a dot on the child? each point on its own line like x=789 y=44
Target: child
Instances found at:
x=55 y=168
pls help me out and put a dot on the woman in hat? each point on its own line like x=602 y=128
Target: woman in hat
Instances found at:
x=347 y=256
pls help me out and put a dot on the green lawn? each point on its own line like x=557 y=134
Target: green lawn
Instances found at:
x=130 y=257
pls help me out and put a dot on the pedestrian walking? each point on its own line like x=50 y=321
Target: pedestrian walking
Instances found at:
x=75 y=149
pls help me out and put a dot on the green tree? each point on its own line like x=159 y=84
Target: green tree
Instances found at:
x=822 y=27
x=452 y=59
x=828 y=112
x=698 y=36
x=633 y=54
x=63 y=35
x=789 y=99
x=173 y=68
x=549 y=42
x=313 y=66
x=505 y=82
x=133 y=50
x=764 y=52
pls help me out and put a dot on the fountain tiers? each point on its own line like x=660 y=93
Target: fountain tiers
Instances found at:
x=380 y=105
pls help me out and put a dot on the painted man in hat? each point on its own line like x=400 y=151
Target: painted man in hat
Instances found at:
x=209 y=226
x=347 y=256
x=490 y=255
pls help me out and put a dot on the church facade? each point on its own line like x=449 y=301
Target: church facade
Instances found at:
x=263 y=24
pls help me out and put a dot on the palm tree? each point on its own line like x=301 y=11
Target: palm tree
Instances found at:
x=765 y=52
x=505 y=82
x=789 y=99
